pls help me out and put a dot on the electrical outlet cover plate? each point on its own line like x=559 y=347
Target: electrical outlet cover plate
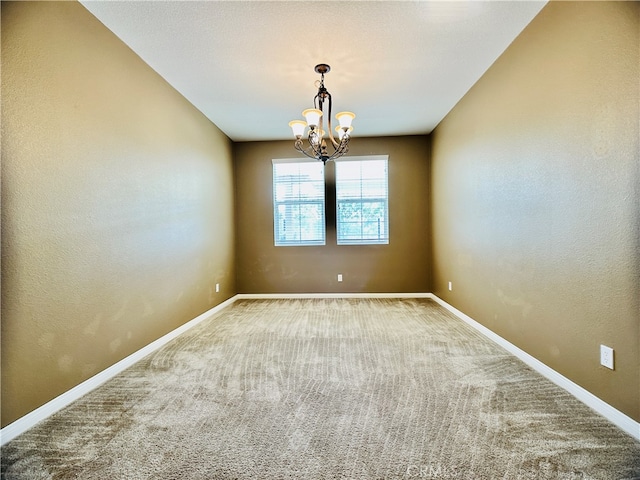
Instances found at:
x=606 y=356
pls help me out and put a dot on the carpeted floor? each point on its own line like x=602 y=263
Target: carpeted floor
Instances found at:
x=326 y=389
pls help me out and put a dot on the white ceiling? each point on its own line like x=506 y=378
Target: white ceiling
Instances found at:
x=401 y=66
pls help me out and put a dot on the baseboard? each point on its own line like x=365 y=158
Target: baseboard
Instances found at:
x=284 y=296
x=24 y=423
x=615 y=416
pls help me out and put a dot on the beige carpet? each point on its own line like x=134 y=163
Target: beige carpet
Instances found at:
x=326 y=389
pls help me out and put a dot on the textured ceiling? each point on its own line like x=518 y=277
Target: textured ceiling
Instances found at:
x=248 y=65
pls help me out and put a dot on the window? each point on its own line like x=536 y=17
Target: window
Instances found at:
x=298 y=202
x=362 y=200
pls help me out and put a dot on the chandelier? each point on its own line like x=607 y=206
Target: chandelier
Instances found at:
x=317 y=147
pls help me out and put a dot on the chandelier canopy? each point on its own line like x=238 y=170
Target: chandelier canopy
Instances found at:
x=317 y=147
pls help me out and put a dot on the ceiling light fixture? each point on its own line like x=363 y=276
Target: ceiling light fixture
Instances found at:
x=317 y=143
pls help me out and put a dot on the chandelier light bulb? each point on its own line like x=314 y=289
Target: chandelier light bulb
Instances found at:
x=298 y=126
x=313 y=116
x=345 y=119
x=341 y=131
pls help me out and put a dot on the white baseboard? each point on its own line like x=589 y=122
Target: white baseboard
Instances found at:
x=615 y=416
x=24 y=423
x=284 y=296
x=31 y=419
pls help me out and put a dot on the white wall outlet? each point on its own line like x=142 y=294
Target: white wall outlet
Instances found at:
x=606 y=356
x=217 y=287
x=339 y=277
x=450 y=286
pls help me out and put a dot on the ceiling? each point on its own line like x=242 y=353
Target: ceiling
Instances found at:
x=248 y=66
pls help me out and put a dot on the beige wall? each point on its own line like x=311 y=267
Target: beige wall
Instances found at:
x=117 y=204
x=401 y=266
x=536 y=200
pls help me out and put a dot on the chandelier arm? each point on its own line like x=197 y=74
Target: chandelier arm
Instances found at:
x=318 y=104
x=339 y=151
x=343 y=148
x=321 y=108
x=333 y=141
x=298 y=145
x=317 y=152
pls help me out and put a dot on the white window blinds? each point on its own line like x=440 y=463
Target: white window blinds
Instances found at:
x=298 y=202
x=362 y=200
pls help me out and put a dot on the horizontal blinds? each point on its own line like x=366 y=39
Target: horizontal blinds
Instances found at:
x=362 y=201
x=298 y=199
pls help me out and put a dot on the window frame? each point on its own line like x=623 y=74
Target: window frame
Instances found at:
x=363 y=200
x=319 y=202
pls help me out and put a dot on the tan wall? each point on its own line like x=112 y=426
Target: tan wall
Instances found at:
x=401 y=266
x=117 y=204
x=535 y=196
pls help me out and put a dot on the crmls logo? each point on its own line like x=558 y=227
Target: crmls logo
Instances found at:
x=429 y=471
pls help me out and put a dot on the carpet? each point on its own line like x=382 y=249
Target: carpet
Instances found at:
x=326 y=389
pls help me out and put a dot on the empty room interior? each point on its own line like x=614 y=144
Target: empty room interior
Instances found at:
x=492 y=330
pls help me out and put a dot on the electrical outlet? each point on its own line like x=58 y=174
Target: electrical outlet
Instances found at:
x=339 y=277
x=217 y=287
x=606 y=356
x=450 y=286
